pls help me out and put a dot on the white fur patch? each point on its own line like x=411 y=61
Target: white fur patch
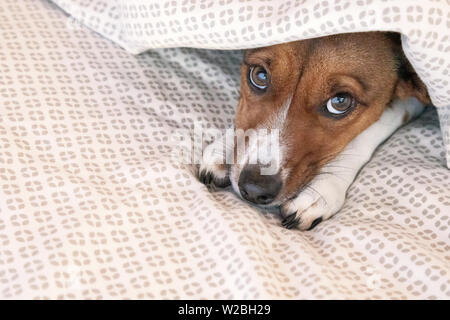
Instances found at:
x=266 y=148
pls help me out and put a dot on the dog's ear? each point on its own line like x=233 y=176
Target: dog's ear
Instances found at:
x=409 y=83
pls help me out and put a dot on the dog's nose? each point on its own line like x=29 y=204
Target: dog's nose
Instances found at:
x=258 y=188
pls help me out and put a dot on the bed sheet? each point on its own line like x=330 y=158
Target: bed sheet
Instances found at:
x=93 y=204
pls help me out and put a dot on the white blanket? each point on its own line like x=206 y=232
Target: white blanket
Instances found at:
x=93 y=205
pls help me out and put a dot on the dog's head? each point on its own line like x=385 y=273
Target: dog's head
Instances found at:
x=320 y=94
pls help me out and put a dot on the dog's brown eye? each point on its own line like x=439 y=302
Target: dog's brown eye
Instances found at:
x=258 y=77
x=340 y=103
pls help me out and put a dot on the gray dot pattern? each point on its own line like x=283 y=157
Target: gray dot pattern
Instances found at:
x=93 y=205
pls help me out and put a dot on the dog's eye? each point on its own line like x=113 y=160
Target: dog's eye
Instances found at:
x=258 y=77
x=340 y=103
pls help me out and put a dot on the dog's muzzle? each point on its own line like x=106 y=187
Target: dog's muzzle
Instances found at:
x=258 y=188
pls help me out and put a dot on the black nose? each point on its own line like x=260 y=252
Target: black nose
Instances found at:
x=257 y=188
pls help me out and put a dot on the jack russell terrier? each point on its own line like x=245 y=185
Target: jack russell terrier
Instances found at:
x=333 y=101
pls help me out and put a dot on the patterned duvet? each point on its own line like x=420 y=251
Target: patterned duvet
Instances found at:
x=94 y=205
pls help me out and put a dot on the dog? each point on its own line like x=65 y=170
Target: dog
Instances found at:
x=333 y=100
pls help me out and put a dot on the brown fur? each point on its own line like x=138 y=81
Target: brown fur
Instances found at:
x=370 y=66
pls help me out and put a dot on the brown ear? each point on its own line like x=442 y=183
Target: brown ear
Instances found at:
x=409 y=83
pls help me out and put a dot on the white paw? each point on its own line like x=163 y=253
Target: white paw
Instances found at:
x=213 y=171
x=321 y=200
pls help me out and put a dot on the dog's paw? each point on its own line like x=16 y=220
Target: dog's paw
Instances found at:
x=213 y=172
x=213 y=176
x=318 y=202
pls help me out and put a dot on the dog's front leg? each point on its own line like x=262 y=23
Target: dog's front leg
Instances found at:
x=213 y=171
x=325 y=194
